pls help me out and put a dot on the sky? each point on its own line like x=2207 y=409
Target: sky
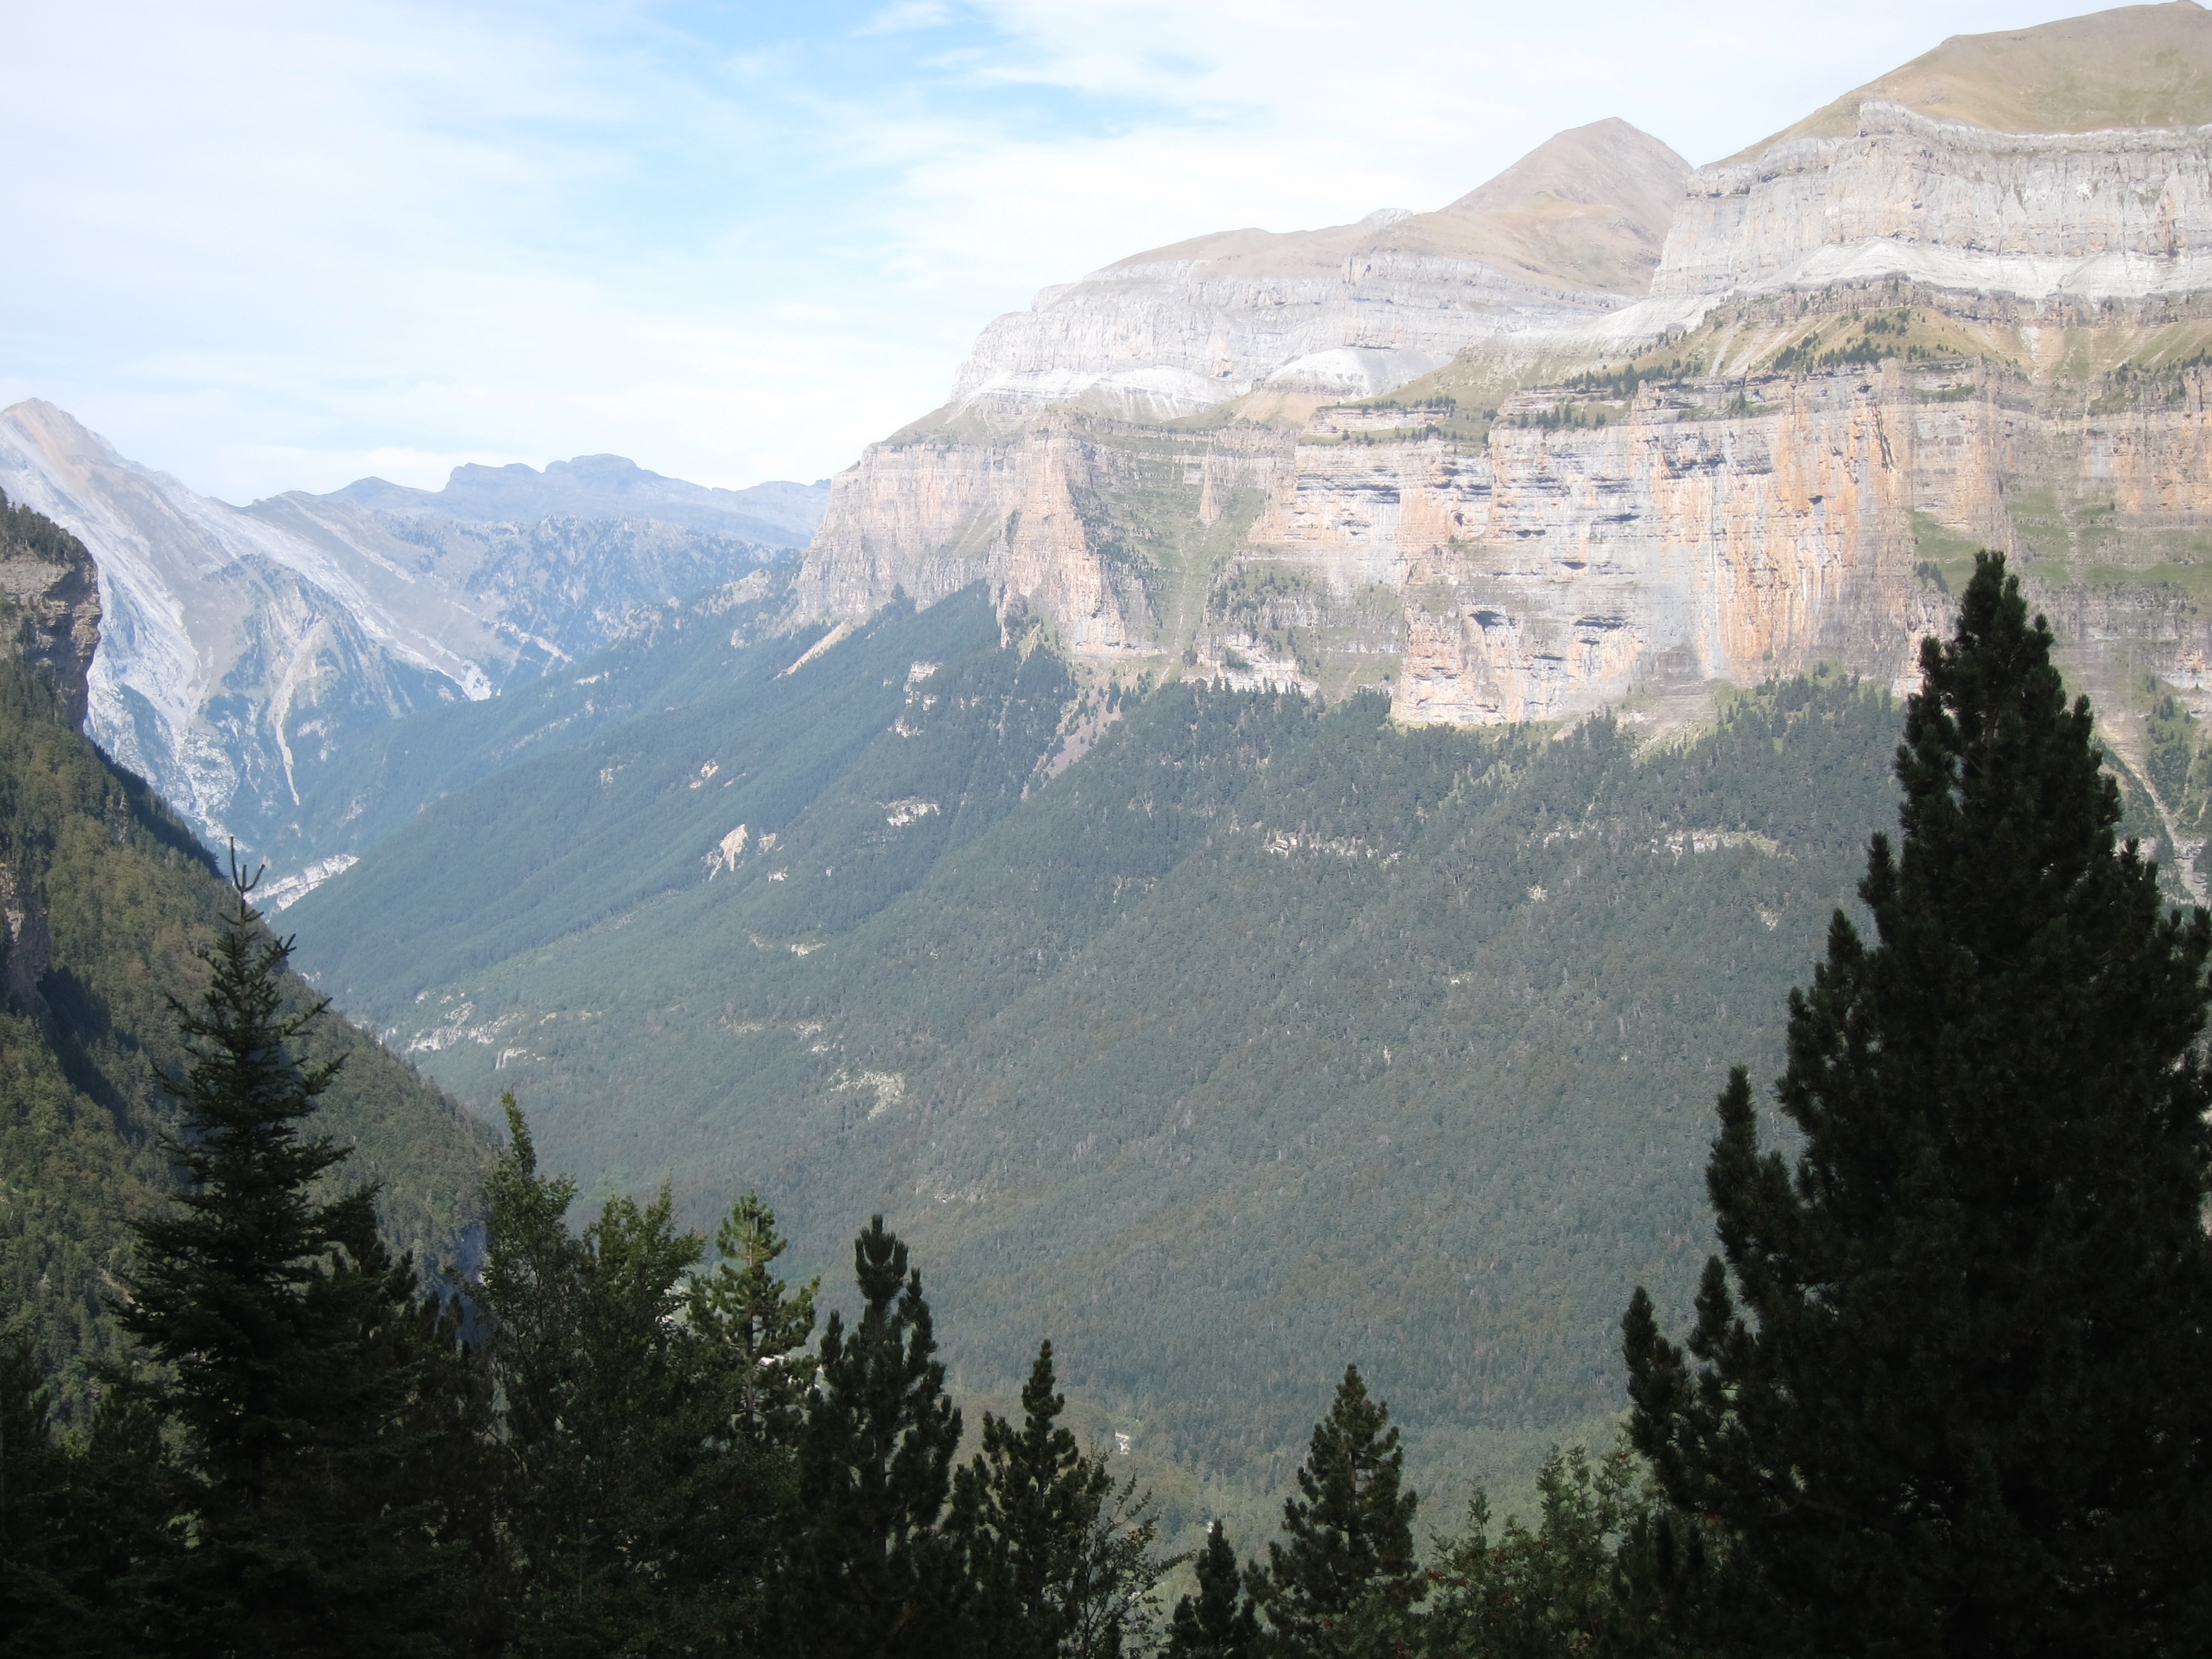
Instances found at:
x=271 y=245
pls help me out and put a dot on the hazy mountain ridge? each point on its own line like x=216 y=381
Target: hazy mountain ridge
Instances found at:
x=609 y=487
x=245 y=649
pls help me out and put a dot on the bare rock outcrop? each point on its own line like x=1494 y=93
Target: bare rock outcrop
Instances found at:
x=49 y=601
x=1570 y=231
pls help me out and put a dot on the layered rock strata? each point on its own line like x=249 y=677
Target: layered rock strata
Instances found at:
x=1569 y=232
x=1897 y=332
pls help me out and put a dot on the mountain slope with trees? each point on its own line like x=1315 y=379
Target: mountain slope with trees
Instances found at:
x=1260 y=1034
x=108 y=899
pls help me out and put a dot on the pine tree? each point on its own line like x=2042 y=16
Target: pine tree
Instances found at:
x=276 y=1327
x=1220 y=1622
x=758 y=1326
x=603 y=1435
x=752 y=1333
x=873 y=1573
x=1351 y=1527
x=1949 y=1391
x=1061 y=1566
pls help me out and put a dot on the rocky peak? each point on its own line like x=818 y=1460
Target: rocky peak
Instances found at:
x=1570 y=231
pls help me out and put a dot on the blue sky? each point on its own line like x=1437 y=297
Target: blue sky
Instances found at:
x=280 y=245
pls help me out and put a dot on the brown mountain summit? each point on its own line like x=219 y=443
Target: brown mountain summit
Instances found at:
x=2134 y=66
x=1589 y=207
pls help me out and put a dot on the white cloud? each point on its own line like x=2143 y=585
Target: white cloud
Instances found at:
x=266 y=246
x=907 y=14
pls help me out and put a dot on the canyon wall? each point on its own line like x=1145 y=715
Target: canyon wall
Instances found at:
x=1885 y=339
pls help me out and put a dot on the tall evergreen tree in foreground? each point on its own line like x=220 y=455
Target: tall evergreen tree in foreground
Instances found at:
x=873 y=1572
x=288 y=1353
x=1949 y=1393
x=1060 y=1556
x=1351 y=1527
x=1219 y=1622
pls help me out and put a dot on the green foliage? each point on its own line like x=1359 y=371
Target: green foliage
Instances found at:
x=80 y=1517
x=761 y=1328
x=600 y=1389
x=1947 y=1393
x=1060 y=1557
x=872 y=1569
x=286 y=1351
x=1220 y=1622
x=1580 y=1581
x=114 y=900
x=1623 y=383
x=1349 y=1552
x=1133 y=1054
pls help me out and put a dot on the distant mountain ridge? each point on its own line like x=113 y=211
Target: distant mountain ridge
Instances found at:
x=779 y=514
x=1570 y=231
x=244 y=649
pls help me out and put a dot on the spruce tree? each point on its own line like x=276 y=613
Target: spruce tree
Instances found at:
x=873 y=1573
x=1351 y=1526
x=1947 y=1388
x=277 y=1330
x=1219 y=1622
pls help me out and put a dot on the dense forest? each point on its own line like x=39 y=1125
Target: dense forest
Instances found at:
x=1260 y=1035
x=1943 y=1390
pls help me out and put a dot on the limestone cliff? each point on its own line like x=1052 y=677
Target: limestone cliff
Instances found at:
x=1968 y=305
x=1570 y=231
x=49 y=601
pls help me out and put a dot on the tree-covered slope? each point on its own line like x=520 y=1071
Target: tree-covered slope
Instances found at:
x=1262 y=1037
x=106 y=897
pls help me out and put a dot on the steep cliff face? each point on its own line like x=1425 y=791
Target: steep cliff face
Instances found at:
x=2103 y=215
x=1572 y=231
x=49 y=601
x=1965 y=305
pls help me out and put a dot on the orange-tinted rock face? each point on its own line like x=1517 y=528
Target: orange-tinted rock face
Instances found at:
x=1675 y=545
x=1708 y=532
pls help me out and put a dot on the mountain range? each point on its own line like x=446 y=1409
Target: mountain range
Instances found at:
x=244 y=649
x=1253 y=831
x=1698 y=425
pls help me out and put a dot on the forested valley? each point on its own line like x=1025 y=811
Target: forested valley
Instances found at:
x=1368 y=1067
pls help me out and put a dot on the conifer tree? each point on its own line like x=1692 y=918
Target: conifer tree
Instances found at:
x=1947 y=1388
x=602 y=1432
x=751 y=1331
x=81 y=1519
x=873 y=1572
x=276 y=1325
x=1219 y=1622
x=758 y=1326
x=1058 y=1566
x=1351 y=1527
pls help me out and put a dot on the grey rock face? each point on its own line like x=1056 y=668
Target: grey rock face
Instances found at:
x=1572 y=231
x=242 y=650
